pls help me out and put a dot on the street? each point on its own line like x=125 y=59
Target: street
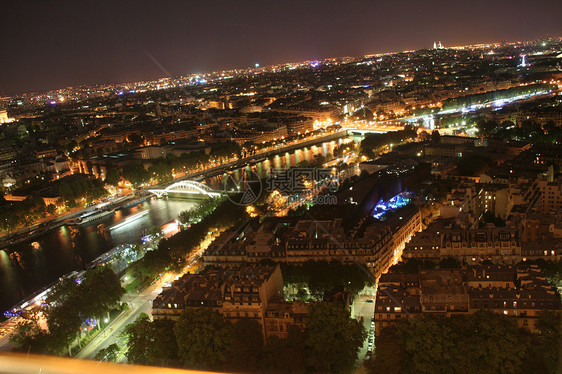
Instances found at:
x=363 y=309
x=138 y=303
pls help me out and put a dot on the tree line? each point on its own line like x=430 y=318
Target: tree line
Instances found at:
x=203 y=339
x=89 y=189
x=528 y=130
x=171 y=253
x=484 y=342
x=162 y=168
x=23 y=213
x=32 y=209
x=372 y=143
x=203 y=209
x=71 y=305
x=481 y=98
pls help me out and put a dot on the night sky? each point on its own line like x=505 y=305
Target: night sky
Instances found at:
x=53 y=44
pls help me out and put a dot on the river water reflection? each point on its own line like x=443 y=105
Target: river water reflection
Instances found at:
x=67 y=248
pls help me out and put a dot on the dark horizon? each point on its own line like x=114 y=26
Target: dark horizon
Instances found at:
x=55 y=45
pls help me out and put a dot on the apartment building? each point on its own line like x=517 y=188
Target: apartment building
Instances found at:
x=518 y=291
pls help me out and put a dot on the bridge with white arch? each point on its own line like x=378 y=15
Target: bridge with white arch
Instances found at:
x=186 y=187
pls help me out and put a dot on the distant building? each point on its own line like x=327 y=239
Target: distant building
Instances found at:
x=550 y=194
x=300 y=126
x=4 y=117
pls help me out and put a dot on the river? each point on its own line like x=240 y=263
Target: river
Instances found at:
x=67 y=248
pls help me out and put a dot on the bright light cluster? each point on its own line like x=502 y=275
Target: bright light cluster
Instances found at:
x=396 y=202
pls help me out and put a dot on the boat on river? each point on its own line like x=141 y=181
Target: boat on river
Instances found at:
x=91 y=216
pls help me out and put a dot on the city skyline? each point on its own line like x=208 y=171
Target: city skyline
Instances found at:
x=109 y=44
x=271 y=187
x=166 y=75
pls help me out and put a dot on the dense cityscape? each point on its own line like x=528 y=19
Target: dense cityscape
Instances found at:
x=385 y=213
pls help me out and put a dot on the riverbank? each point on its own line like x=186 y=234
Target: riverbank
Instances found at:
x=208 y=173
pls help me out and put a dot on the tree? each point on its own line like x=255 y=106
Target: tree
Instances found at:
x=225 y=149
x=109 y=353
x=549 y=341
x=151 y=343
x=77 y=189
x=136 y=174
x=487 y=128
x=374 y=142
x=247 y=346
x=363 y=114
x=153 y=263
x=284 y=355
x=113 y=176
x=435 y=136
x=428 y=343
x=332 y=338
x=102 y=288
x=204 y=338
x=203 y=209
x=495 y=344
x=64 y=323
x=25 y=335
x=66 y=192
x=484 y=342
x=139 y=342
x=389 y=353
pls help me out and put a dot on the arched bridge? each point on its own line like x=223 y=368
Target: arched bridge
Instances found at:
x=186 y=187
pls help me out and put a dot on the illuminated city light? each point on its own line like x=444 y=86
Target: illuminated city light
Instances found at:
x=394 y=203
